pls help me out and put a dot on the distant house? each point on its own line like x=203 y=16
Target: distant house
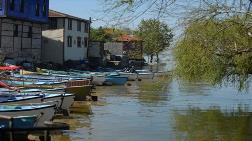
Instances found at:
x=66 y=38
x=128 y=47
x=21 y=23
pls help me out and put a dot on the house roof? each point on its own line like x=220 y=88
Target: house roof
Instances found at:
x=128 y=38
x=56 y=14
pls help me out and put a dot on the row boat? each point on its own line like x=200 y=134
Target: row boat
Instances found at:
x=18 y=121
x=116 y=80
x=43 y=112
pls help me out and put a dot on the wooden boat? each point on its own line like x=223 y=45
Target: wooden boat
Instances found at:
x=21 y=122
x=116 y=80
x=80 y=92
x=43 y=112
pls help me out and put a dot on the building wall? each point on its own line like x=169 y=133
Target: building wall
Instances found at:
x=75 y=53
x=29 y=10
x=96 y=49
x=2 y=8
x=20 y=47
x=53 y=46
x=115 y=48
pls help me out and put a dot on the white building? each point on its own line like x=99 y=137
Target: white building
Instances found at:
x=65 y=39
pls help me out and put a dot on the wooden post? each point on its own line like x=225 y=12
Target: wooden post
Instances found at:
x=11 y=126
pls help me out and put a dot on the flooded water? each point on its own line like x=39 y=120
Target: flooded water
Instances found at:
x=165 y=110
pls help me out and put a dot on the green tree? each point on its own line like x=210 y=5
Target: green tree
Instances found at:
x=156 y=36
x=108 y=34
x=215 y=51
x=99 y=34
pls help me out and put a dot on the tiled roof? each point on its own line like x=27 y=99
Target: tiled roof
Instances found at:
x=128 y=38
x=56 y=14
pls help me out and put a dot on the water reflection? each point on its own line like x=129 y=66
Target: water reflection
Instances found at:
x=154 y=92
x=214 y=125
x=164 y=109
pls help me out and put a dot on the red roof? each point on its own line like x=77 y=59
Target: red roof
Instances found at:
x=128 y=38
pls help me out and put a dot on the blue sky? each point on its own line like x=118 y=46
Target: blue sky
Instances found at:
x=80 y=8
x=90 y=8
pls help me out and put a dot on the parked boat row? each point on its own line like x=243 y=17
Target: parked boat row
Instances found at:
x=32 y=98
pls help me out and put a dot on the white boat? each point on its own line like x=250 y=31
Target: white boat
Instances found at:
x=98 y=80
x=144 y=74
x=9 y=99
x=43 y=112
x=64 y=100
x=131 y=76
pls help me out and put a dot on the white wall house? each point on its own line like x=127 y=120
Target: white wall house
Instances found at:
x=66 y=38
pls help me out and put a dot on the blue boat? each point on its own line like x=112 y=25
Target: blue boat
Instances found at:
x=116 y=80
x=18 y=122
x=41 y=111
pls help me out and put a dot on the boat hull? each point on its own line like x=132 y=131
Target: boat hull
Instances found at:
x=98 y=80
x=64 y=101
x=145 y=76
x=19 y=122
x=131 y=76
x=22 y=101
x=80 y=92
x=117 y=80
x=43 y=114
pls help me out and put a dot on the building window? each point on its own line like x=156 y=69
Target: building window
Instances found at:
x=15 y=31
x=37 y=8
x=70 y=24
x=30 y=32
x=86 y=27
x=69 y=41
x=22 y=5
x=1 y=4
x=44 y=8
x=78 y=41
x=86 y=41
x=53 y=23
x=78 y=25
x=12 y=5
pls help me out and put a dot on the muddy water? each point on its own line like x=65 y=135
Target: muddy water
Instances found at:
x=165 y=110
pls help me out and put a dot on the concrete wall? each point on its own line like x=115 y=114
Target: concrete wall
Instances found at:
x=75 y=53
x=53 y=46
x=115 y=48
x=20 y=47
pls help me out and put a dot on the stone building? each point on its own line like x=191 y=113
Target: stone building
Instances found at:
x=21 y=26
x=65 y=39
